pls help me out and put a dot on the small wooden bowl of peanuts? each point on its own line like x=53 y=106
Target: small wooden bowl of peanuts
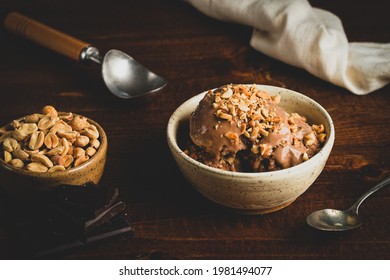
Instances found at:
x=44 y=150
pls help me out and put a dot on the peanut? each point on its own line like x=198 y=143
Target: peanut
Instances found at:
x=78 y=152
x=81 y=160
x=68 y=160
x=46 y=122
x=94 y=143
x=34 y=118
x=10 y=144
x=19 y=134
x=16 y=163
x=56 y=151
x=20 y=154
x=309 y=139
x=56 y=168
x=58 y=160
x=321 y=137
x=42 y=159
x=79 y=123
x=81 y=141
x=36 y=167
x=49 y=110
x=36 y=140
x=91 y=132
x=90 y=151
x=7 y=156
x=49 y=141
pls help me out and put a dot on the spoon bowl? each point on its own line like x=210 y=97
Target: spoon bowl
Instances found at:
x=340 y=220
x=126 y=78
x=334 y=220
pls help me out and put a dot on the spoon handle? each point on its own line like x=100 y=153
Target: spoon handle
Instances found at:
x=45 y=35
x=380 y=185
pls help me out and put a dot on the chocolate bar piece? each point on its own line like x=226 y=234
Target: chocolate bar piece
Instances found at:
x=69 y=217
x=117 y=226
x=87 y=206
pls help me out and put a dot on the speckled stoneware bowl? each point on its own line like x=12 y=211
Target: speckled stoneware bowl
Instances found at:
x=253 y=193
x=24 y=183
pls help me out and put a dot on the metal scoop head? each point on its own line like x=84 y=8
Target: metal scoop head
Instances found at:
x=126 y=78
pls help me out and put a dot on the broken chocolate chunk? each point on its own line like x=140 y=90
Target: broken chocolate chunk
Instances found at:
x=66 y=218
x=86 y=206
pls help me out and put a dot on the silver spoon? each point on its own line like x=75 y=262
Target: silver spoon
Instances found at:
x=122 y=74
x=340 y=220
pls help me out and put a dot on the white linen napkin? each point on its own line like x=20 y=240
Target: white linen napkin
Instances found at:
x=306 y=37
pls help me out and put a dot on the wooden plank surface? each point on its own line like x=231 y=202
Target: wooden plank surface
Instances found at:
x=195 y=53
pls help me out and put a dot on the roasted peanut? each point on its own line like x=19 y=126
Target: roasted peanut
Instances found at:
x=81 y=141
x=46 y=122
x=49 y=141
x=20 y=154
x=42 y=159
x=79 y=123
x=7 y=156
x=94 y=143
x=64 y=143
x=321 y=137
x=17 y=163
x=56 y=168
x=68 y=160
x=29 y=128
x=318 y=128
x=10 y=144
x=32 y=152
x=4 y=135
x=228 y=93
x=309 y=139
x=36 y=167
x=91 y=132
x=78 y=152
x=16 y=124
x=90 y=151
x=19 y=134
x=56 y=151
x=60 y=125
x=36 y=140
x=81 y=160
x=34 y=118
x=49 y=110
x=70 y=135
x=58 y=160
x=66 y=117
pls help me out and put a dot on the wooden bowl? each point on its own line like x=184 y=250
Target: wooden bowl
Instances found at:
x=24 y=183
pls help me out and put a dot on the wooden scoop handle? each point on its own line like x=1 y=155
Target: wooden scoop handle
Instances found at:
x=45 y=35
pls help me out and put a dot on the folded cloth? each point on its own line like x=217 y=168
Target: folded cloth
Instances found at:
x=306 y=37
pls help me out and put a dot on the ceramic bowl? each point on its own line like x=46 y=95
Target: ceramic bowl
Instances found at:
x=24 y=183
x=253 y=193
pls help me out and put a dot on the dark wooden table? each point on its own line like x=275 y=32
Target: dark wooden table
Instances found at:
x=194 y=53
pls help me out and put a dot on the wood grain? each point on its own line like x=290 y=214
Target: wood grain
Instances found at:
x=194 y=53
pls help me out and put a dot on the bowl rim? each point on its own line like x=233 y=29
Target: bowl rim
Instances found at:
x=102 y=149
x=177 y=116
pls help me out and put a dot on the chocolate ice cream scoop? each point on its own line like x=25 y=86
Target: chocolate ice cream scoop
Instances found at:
x=212 y=133
x=238 y=126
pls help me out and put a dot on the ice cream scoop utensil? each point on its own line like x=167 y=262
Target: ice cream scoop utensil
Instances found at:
x=340 y=220
x=123 y=75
